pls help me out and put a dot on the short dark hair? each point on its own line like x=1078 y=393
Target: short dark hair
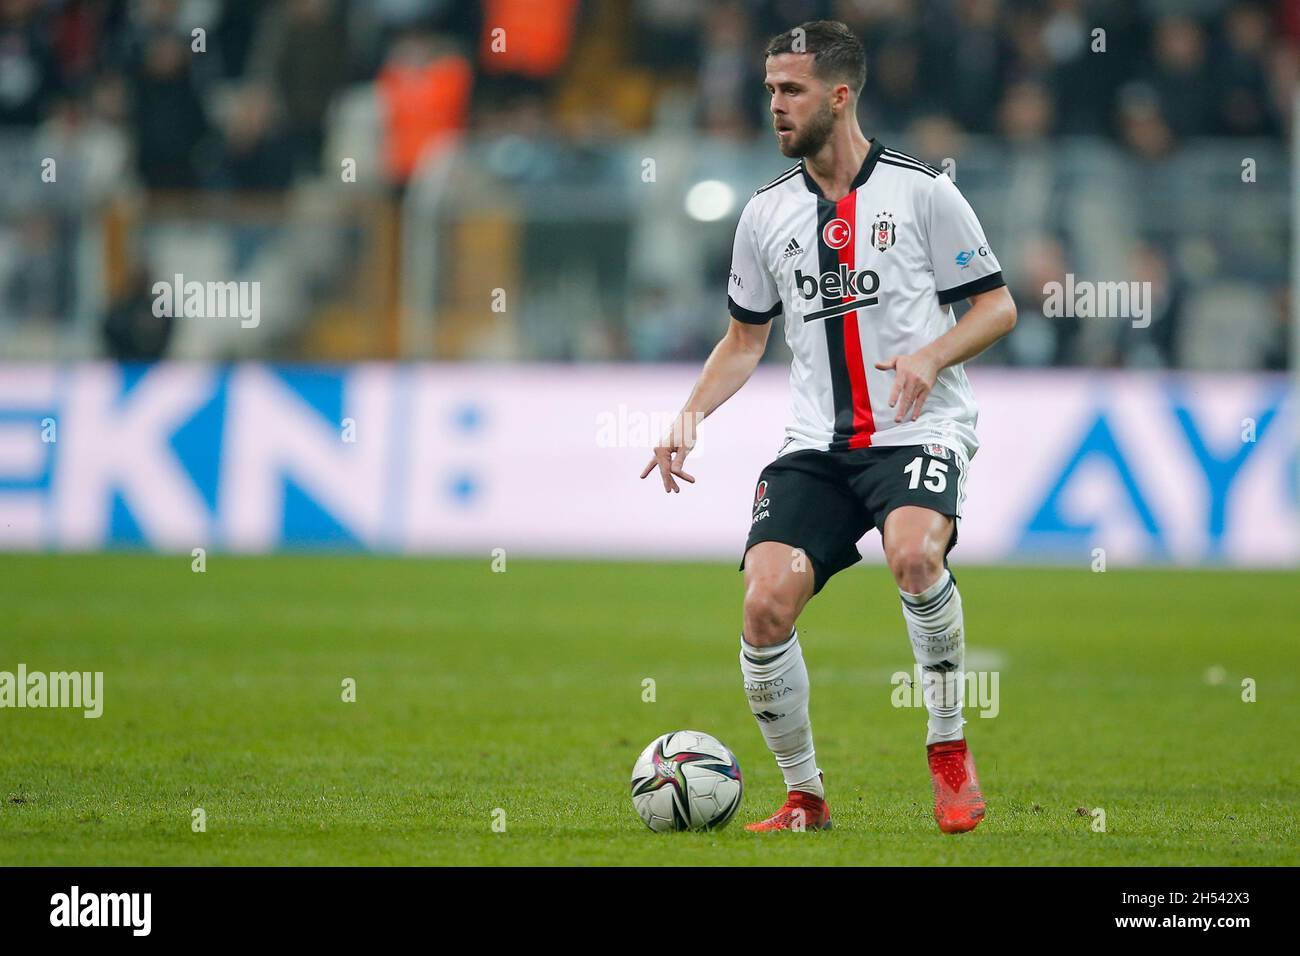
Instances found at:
x=838 y=56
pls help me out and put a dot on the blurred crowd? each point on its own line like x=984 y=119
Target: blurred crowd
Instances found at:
x=242 y=96
x=1149 y=74
x=212 y=94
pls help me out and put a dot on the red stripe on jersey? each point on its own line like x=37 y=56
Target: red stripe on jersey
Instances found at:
x=863 y=421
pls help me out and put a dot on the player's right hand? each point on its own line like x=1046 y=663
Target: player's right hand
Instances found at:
x=669 y=455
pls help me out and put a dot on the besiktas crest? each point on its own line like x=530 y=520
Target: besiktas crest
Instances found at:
x=883 y=231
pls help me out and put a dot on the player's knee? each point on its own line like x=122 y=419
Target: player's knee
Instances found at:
x=916 y=563
x=769 y=616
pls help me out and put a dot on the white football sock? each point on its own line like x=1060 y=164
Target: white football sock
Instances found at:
x=937 y=633
x=776 y=683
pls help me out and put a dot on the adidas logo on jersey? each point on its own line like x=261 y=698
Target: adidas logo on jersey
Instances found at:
x=836 y=285
x=793 y=249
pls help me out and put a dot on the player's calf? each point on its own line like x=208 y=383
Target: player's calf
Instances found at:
x=915 y=540
x=771 y=662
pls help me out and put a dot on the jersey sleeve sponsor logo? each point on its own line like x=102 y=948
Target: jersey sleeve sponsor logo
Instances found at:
x=837 y=234
x=967 y=256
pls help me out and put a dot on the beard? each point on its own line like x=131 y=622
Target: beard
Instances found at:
x=814 y=135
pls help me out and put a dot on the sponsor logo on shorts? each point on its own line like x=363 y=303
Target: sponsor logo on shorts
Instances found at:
x=761 y=501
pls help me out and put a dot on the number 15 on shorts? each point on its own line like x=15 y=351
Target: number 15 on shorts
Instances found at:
x=936 y=475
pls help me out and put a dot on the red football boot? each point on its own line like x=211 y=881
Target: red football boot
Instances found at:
x=801 y=811
x=958 y=802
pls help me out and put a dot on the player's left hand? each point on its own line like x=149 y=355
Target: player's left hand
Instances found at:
x=914 y=377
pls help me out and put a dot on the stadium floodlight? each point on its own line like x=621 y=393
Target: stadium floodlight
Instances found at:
x=710 y=200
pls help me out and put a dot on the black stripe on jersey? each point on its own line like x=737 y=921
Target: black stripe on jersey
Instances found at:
x=778 y=181
x=749 y=316
x=828 y=260
x=905 y=158
x=923 y=170
x=975 y=287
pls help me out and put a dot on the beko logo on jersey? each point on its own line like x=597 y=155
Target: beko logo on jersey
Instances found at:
x=836 y=285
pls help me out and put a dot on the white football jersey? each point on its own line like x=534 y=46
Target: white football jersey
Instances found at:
x=859 y=281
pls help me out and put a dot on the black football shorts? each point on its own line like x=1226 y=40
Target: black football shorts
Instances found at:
x=823 y=502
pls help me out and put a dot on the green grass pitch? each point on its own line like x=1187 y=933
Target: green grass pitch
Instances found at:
x=523 y=691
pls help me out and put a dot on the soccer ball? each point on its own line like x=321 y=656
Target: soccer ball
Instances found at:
x=686 y=780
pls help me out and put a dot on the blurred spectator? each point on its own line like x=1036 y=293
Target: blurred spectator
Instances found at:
x=1284 y=76
x=1026 y=113
x=307 y=59
x=1156 y=345
x=1141 y=124
x=1185 y=93
x=894 y=90
x=168 y=115
x=668 y=34
x=1040 y=339
x=28 y=71
x=424 y=86
x=1276 y=357
x=84 y=137
x=975 y=57
x=1240 y=73
x=524 y=45
x=80 y=35
x=235 y=33
x=36 y=255
x=131 y=331
x=255 y=152
x=730 y=83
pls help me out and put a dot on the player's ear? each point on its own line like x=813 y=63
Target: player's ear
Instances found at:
x=848 y=102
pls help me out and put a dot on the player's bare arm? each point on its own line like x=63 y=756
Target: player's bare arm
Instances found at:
x=992 y=315
x=728 y=367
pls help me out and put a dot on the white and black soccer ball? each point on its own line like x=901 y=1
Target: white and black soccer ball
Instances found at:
x=686 y=780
